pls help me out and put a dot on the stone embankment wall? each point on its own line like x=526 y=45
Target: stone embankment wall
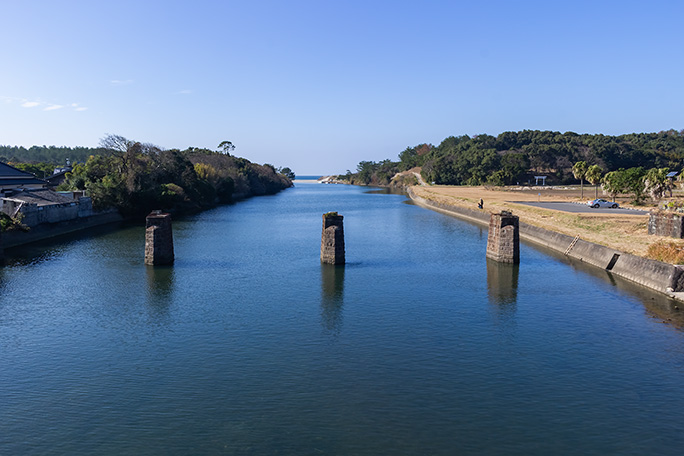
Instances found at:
x=663 y=277
x=34 y=215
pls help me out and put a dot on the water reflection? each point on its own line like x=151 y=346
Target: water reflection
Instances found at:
x=502 y=285
x=660 y=307
x=160 y=285
x=332 y=296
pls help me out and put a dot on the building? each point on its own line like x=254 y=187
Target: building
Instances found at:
x=12 y=179
x=22 y=192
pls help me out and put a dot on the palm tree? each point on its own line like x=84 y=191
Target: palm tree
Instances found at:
x=593 y=175
x=579 y=170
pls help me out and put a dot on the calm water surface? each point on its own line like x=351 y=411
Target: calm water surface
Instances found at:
x=248 y=345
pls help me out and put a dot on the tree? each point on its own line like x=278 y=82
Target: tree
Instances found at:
x=614 y=182
x=116 y=143
x=287 y=172
x=579 y=170
x=634 y=182
x=656 y=182
x=227 y=147
x=593 y=175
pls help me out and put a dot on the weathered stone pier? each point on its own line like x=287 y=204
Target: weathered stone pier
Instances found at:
x=503 y=241
x=666 y=223
x=158 y=239
x=332 y=239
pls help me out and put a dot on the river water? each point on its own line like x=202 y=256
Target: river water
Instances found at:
x=248 y=345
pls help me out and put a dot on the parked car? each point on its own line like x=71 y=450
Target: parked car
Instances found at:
x=602 y=203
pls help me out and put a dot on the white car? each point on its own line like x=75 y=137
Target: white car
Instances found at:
x=602 y=203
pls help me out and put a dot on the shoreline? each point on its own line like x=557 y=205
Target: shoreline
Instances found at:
x=49 y=231
x=45 y=231
x=661 y=277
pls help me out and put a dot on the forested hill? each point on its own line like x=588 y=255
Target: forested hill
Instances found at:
x=513 y=157
x=49 y=154
x=136 y=177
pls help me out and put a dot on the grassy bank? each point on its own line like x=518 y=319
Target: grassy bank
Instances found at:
x=624 y=232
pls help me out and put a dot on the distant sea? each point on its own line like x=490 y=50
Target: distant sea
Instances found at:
x=316 y=177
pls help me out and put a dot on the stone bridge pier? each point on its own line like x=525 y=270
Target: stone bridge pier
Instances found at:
x=332 y=239
x=503 y=239
x=158 y=239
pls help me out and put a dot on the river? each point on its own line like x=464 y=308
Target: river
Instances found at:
x=248 y=345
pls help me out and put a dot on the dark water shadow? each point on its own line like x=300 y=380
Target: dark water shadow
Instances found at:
x=657 y=305
x=386 y=191
x=332 y=296
x=38 y=251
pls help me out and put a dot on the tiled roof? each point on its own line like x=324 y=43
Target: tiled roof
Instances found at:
x=41 y=197
x=9 y=175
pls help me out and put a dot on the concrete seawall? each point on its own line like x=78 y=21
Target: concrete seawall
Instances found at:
x=656 y=275
x=50 y=230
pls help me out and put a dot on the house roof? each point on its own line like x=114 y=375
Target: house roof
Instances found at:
x=9 y=175
x=57 y=178
x=40 y=197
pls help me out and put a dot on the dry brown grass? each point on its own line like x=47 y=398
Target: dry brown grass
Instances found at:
x=667 y=251
x=624 y=232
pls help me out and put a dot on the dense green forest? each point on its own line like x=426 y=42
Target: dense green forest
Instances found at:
x=49 y=154
x=136 y=177
x=516 y=157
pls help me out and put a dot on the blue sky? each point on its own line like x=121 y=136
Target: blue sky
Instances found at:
x=320 y=85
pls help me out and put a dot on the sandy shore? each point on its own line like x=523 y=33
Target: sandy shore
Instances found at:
x=624 y=232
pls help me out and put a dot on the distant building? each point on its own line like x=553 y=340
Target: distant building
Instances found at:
x=57 y=178
x=59 y=174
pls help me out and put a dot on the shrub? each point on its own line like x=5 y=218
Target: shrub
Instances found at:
x=668 y=252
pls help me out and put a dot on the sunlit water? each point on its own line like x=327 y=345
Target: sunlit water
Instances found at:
x=248 y=345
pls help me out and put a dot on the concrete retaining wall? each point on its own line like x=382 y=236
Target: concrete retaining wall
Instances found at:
x=656 y=275
x=49 y=230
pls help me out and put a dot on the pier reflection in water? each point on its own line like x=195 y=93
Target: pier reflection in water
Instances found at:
x=502 y=283
x=160 y=285
x=332 y=296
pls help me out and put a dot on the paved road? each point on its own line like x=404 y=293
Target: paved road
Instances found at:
x=580 y=208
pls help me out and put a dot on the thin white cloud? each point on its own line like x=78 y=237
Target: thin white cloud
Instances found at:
x=184 y=92
x=119 y=82
x=25 y=103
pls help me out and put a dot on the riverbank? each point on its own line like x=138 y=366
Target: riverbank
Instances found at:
x=51 y=230
x=626 y=231
x=45 y=231
x=544 y=227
